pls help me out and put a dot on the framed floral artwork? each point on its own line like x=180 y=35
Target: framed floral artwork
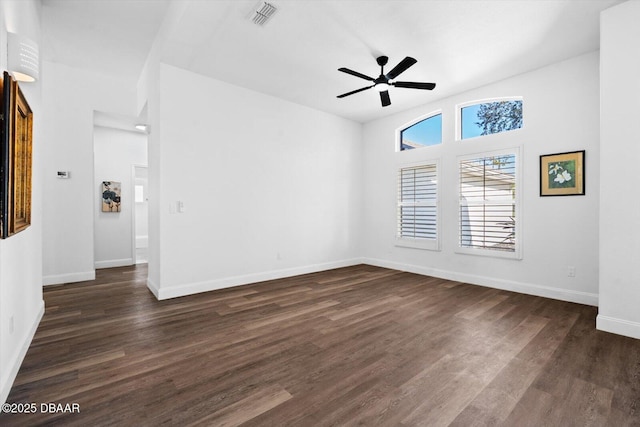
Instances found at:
x=562 y=174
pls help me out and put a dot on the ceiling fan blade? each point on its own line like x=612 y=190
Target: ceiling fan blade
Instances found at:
x=384 y=98
x=401 y=67
x=355 y=73
x=354 y=91
x=415 y=85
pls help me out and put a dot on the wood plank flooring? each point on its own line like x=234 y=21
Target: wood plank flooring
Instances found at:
x=352 y=346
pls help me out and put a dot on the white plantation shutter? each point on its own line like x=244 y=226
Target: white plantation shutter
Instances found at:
x=488 y=203
x=417 y=202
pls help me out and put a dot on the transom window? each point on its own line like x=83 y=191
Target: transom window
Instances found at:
x=490 y=117
x=422 y=134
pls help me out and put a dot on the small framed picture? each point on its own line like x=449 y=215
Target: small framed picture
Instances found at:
x=562 y=174
x=111 y=200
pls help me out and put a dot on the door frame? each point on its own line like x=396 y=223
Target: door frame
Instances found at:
x=133 y=210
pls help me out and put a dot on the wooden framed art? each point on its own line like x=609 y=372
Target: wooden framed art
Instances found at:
x=562 y=174
x=16 y=138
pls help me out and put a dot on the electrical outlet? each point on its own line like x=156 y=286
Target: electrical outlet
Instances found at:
x=571 y=271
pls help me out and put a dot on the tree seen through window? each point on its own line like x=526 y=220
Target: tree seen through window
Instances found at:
x=491 y=117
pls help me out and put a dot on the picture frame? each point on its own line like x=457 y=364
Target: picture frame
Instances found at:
x=562 y=174
x=16 y=140
x=111 y=196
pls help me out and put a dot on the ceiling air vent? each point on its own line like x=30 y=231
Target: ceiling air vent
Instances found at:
x=263 y=13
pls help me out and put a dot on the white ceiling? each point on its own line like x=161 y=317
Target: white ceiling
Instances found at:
x=109 y=36
x=459 y=44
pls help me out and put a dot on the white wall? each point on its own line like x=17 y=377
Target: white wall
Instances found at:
x=115 y=154
x=270 y=188
x=560 y=114
x=21 y=304
x=619 y=309
x=70 y=96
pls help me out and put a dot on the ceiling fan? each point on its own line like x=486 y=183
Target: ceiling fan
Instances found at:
x=383 y=81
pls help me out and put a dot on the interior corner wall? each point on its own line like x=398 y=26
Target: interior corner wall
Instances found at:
x=619 y=310
x=115 y=154
x=267 y=188
x=71 y=96
x=561 y=105
x=21 y=304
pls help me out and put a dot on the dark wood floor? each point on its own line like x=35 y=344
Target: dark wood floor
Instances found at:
x=359 y=345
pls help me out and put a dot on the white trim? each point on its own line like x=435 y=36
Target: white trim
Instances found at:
x=153 y=288
x=133 y=215
x=14 y=365
x=69 y=278
x=518 y=201
x=114 y=263
x=425 y=244
x=134 y=206
x=415 y=122
x=507 y=285
x=211 y=285
x=461 y=105
x=618 y=326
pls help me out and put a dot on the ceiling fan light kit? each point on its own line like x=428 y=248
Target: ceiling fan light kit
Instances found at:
x=381 y=87
x=384 y=81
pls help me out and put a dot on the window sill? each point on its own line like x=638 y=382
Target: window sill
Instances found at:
x=424 y=244
x=492 y=253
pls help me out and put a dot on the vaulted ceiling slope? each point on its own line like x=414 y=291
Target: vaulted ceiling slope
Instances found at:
x=459 y=44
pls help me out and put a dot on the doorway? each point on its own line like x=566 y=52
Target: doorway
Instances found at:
x=116 y=152
x=140 y=215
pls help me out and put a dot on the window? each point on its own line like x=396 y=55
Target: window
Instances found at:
x=490 y=117
x=418 y=207
x=488 y=204
x=421 y=134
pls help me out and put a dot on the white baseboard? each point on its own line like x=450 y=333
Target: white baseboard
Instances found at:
x=69 y=278
x=114 y=263
x=507 y=285
x=153 y=288
x=14 y=364
x=211 y=285
x=618 y=326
